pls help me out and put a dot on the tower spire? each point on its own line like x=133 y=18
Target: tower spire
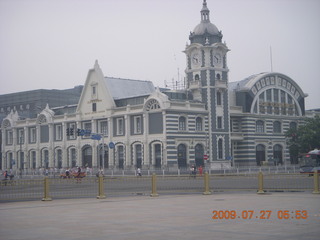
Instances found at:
x=205 y=12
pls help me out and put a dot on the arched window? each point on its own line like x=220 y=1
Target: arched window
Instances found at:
x=260 y=126
x=220 y=149
x=198 y=124
x=293 y=125
x=276 y=127
x=152 y=104
x=182 y=123
x=41 y=119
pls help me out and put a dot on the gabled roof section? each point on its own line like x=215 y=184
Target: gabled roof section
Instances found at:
x=127 y=88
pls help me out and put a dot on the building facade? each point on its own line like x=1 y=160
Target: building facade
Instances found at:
x=126 y=124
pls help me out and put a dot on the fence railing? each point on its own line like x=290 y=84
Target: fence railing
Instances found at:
x=39 y=173
x=49 y=188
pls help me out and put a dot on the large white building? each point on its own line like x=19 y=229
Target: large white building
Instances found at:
x=239 y=123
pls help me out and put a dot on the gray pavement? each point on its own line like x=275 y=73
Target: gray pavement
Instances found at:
x=164 y=217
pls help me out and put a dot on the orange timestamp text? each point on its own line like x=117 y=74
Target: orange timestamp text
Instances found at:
x=261 y=214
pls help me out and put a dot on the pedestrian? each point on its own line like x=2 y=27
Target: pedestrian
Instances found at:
x=139 y=172
x=5 y=174
x=79 y=172
x=200 y=171
x=194 y=171
x=67 y=173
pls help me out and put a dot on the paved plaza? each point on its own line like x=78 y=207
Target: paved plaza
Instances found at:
x=166 y=217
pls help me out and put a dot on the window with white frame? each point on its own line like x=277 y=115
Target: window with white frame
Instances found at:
x=137 y=128
x=199 y=124
x=120 y=126
x=103 y=127
x=182 y=123
x=33 y=134
x=94 y=92
x=58 y=132
x=260 y=126
x=20 y=139
x=87 y=128
x=9 y=137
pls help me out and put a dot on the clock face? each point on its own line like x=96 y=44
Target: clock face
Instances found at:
x=196 y=58
x=217 y=58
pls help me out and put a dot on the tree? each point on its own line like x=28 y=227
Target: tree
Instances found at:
x=305 y=138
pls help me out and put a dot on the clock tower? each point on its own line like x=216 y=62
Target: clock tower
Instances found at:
x=207 y=81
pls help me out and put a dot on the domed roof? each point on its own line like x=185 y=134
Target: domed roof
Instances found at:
x=204 y=27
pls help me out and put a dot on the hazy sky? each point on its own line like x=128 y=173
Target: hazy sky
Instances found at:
x=52 y=44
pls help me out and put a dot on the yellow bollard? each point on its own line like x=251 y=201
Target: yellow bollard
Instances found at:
x=154 y=186
x=101 y=189
x=260 y=183
x=316 y=182
x=206 y=184
x=46 y=190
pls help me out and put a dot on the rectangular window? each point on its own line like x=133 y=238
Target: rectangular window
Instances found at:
x=9 y=137
x=219 y=98
x=103 y=127
x=20 y=139
x=58 y=132
x=276 y=95
x=268 y=95
x=120 y=126
x=283 y=96
x=33 y=135
x=137 y=125
x=182 y=124
x=219 y=122
x=87 y=128
x=94 y=107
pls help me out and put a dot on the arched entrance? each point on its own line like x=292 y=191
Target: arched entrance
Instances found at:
x=157 y=154
x=104 y=155
x=138 y=157
x=277 y=154
x=199 y=152
x=182 y=156
x=120 y=157
x=87 y=156
x=45 y=158
x=59 y=158
x=32 y=157
x=260 y=154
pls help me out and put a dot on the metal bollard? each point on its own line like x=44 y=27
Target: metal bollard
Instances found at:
x=260 y=183
x=316 y=182
x=101 y=189
x=154 y=186
x=46 y=190
x=206 y=184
